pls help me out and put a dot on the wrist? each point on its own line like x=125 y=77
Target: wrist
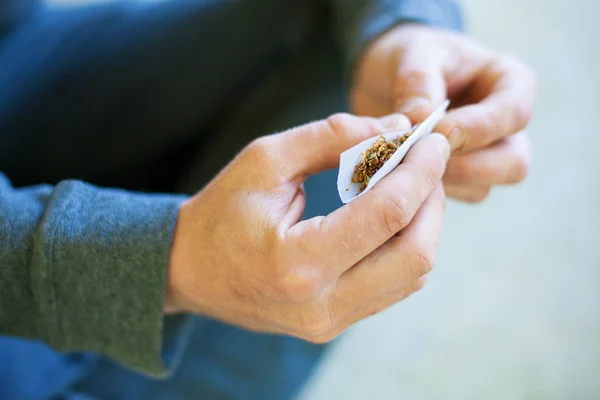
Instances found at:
x=172 y=302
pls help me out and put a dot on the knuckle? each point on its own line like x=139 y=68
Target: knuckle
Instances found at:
x=418 y=284
x=315 y=325
x=529 y=80
x=396 y=213
x=408 y=289
x=300 y=284
x=322 y=339
x=478 y=195
x=522 y=115
x=260 y=148
x=411 y=79
x=423 y=262
x=519 y=169
x=339 y=124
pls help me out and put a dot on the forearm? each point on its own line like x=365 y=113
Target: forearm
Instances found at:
x=84 y=269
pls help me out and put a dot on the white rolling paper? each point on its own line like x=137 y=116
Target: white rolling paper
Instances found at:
x=349 y=191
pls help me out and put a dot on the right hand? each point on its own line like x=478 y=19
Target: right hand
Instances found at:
x=241 y=255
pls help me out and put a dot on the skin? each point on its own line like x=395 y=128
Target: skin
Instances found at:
x=412 y=69
x=242 y=255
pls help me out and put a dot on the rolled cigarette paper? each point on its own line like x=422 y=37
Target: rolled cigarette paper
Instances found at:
x=352 y=157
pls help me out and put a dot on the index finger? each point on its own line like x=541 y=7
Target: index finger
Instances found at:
x=346 y=236
x=508 y=88
x=316 y=147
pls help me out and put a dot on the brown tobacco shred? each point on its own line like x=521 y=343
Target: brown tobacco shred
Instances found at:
x=374 y=158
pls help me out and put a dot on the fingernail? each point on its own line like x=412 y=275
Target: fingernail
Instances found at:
x=457 y=138
x=413 y=104
x=442 y=145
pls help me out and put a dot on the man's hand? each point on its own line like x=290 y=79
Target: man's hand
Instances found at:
x=242 y=255
x=413 y=68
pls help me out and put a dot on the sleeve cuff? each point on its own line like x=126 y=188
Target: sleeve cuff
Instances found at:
x=102 y=257
x=381 y=16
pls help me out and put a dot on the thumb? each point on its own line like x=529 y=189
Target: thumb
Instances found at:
x=316 y=147
x=420 y=86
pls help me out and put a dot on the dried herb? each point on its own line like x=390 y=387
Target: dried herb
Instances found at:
x=374 y=158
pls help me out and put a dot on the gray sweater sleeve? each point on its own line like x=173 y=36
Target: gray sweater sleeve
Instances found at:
x=84 y=268
x=359 y=22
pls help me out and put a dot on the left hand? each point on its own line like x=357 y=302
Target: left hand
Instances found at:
x=413 y=68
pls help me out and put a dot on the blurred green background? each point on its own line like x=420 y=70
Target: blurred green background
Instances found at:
x=512 y=310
